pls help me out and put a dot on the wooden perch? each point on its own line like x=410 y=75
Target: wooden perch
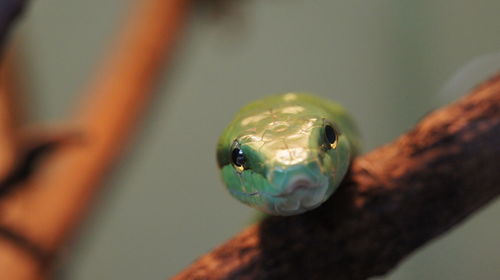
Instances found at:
x=395 y=199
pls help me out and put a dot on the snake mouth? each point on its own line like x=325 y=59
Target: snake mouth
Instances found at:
x=301 y=195
x=296 y=185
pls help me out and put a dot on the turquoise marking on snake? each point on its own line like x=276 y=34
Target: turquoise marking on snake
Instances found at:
x=286 y=154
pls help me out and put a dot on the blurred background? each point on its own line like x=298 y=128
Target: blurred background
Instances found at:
x=164 y=205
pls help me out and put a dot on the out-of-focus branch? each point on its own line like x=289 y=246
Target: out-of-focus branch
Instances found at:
x=9 y=110
x=50 y=206
x=395 y=199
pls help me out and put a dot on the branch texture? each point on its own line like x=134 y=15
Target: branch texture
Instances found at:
x=395 y=199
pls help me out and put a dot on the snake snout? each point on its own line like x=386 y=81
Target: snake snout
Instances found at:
x=298 y=193
x=298 y=184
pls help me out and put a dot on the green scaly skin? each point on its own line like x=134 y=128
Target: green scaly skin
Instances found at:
x=289 y=164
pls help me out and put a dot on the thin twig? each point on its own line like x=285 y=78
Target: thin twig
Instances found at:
x=396 y=199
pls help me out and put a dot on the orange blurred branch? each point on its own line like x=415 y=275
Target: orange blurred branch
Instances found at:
x=9 y=110
x=50 y=206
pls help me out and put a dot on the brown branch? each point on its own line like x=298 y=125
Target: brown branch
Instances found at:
x=395 y=199
x=45 y=211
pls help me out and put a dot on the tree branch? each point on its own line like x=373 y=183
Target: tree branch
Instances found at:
x=395 y=199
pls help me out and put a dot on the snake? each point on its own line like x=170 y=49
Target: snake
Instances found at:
x=286 y=154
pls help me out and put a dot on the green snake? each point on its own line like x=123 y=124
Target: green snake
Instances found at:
x=286 y=154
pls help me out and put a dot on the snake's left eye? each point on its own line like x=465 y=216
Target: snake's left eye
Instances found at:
x=331 y=136
x=238 y=159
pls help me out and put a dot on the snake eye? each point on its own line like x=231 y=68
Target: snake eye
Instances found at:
x=238 y=159
x=331 y=136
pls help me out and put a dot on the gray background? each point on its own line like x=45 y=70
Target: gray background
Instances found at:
x=164 y=204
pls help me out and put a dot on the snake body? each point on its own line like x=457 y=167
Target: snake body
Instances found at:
x=286 y=154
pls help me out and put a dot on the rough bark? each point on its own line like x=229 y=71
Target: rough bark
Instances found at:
x=394 y=200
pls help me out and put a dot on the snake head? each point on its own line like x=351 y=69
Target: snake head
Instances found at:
x=284 y=158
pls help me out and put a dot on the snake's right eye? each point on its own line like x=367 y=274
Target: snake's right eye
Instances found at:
x=238 y=159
